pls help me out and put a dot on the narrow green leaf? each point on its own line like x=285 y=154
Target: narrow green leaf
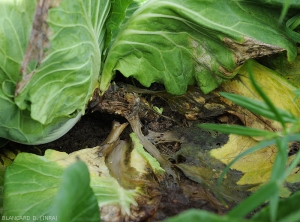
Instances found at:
x=75 y=200
x=293 y=217
x=274 y=202
x=253 y=149
x=201 y=215
x=285 y=9
x=288 y=210
x=259 y=107
x=258 y=146
x=266 y=99
x=280 y=3
x=291 y=24
x=254 y=201
x=294 y=137
x=297 y=93
x=239 y=130
x=281 y=159
x=295 y=21
x=278 y=174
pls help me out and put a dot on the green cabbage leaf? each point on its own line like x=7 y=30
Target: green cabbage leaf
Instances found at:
x=58 y=47
x=70 y=190
x=179 y=43
x=55 y=54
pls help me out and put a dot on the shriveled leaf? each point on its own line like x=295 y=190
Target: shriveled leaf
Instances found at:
x=206 y=171
x=195 y=104
x=204 y=155
x=207 y=41
x=195 y=161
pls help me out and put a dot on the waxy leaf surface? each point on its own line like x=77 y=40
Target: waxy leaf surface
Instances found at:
x=179 y=43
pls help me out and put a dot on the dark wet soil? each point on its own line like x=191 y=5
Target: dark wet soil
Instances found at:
x=93 y=129
x=90 y=131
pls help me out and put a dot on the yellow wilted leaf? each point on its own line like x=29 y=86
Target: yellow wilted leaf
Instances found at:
x=95 y=164
x=295 y=176
x=279 y=90
x=256 y=167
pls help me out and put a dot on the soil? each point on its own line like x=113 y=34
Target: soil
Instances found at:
x=90 y=131
x=93 y=129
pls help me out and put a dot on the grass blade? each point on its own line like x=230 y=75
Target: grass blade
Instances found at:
x=254 y=201
x=238 y=130
x=253 y=149
x=266 y=99
x=284 y=10
x=278 y=174
x=294 y=22
x=291 y=24
x=281 y=159
x=259 y=107
x=294 y=217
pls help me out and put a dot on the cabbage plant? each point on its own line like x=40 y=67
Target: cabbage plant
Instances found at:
x=54 y=55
